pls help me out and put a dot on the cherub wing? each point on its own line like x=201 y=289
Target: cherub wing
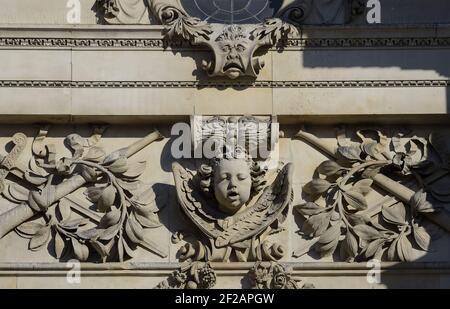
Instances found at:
x=266 y=210
x=193 y=204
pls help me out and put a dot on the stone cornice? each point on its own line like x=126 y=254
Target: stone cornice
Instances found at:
x=155 y=43
x=220 y=84
x=151 y=37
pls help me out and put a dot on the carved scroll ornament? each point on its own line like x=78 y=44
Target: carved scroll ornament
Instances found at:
x=233 y=46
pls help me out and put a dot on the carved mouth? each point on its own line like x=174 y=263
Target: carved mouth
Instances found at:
x=233 y=195
x=233 y=67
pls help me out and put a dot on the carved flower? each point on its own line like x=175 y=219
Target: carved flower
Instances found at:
x=280 y=280
x=180 y=277
x=207 y=277
x=261 y=275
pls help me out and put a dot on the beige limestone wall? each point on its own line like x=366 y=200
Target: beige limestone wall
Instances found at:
x=76 y=75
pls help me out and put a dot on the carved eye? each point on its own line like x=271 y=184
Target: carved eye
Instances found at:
x=240 y=48
x=242 y=176
x=226 y=48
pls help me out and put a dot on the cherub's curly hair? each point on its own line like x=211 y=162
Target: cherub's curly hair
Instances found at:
x=257 y=173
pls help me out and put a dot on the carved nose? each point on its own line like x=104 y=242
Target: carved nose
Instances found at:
x=232 y=55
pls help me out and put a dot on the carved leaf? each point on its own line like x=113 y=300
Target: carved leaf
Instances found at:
x=40 y=239
x=120 y=250
x=329 y=168
x=150 y=220
x=128 y=250
x=101 y=249
x=420 y=204
x=111 y=218
x=371 y=148
x=110 y=232
x=276 y=29
x=328 y=248
x=59 y=245
x=35 y=179
x=395 y=214
x=374 y=247
x=363 y=186
x=135 y=170
x=331 y=234
x=80 y=250
x=94 y=193
x=316 y=186
x=350 y=245
x=392 y=251
x=17 y=193
x=30 y=228
x=119 y=166
x=309 y=209
x=103 y=197
x=145 y=197
x=422 y=238
x=316 y=225
x=64 y=209
x=352 y=153
x=356 y=200
x=134 y=230
x=95 y=154
x=366 y=232
x=74 y=224
x=129 y=186
x=371 y=171
x=404 y=249
x=189 y=28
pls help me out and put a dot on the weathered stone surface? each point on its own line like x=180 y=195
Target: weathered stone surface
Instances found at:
x=358 y=169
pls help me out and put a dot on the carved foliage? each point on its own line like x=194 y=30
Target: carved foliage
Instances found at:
x=233 y=45
x=272 y=275
x=196 y=275
x=125 y=207
x=340 y=214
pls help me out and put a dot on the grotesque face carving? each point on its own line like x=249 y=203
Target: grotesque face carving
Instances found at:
x=234 y=64
x=234 y=49
x=232 y=184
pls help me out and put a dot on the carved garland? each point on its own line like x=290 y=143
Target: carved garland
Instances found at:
x=125 y=207
x=338 y=212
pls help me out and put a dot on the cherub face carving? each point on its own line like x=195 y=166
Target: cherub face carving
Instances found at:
x=232 y=184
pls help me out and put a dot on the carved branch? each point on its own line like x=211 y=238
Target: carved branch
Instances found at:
x=400 y=191
x=51 y=194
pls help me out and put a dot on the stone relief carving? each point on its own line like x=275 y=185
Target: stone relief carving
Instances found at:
x=235 y=206
x=123 y=11
x=233 y=46
x=339 y=215
x=45 y=210
x=271 y=275
x=231 y=202
x=197 y=275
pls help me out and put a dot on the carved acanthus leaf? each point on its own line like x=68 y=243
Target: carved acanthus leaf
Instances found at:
x=189 y=28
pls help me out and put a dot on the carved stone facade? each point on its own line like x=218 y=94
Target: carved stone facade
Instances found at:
x=344 y=167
